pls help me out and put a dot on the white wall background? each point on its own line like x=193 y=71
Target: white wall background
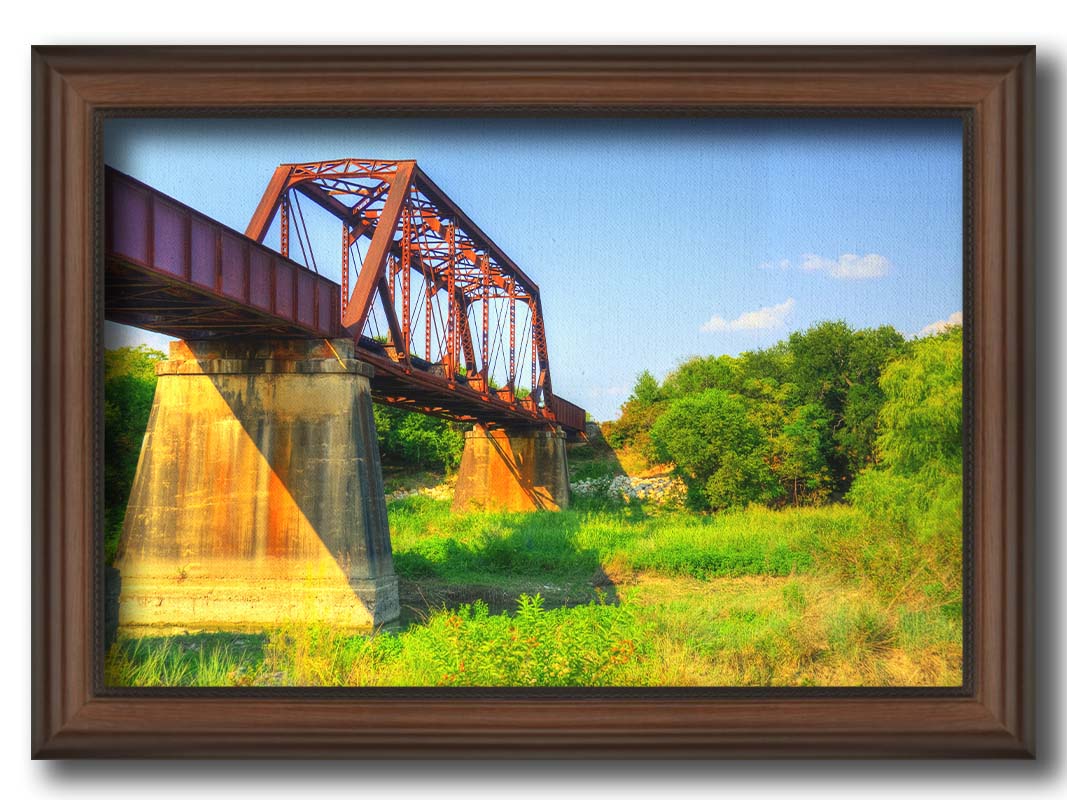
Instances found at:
x=533 y=22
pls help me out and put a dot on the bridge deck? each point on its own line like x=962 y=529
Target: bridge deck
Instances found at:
x=171 y=269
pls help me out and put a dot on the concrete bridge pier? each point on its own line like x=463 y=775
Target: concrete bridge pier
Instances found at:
x=258 y=499
x=512 y=471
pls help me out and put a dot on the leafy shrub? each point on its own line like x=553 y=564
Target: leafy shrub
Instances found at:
x=716 y=448
x=582 y=646
x=591 y=470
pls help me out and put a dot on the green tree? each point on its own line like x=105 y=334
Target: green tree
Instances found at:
x=129 y=388
x=839 y=368
x=717 y=450
x=820 y=364
x=871 y=350
x=922 y=417
x=638 y=414
x=768 y=403
x=697 y=374
x=815 y=398
x=773 y=363
x=417 y=439
x=646 y=390
x=918 y=479
x=800 y=454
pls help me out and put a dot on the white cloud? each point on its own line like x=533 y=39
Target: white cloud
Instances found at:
x=954 y=319
x=783 y=264
x=761 y=319
x=849 y=265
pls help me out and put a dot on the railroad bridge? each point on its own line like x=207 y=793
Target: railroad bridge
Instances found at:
x=258 y=498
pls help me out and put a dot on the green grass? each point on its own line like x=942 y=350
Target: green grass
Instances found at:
x=192 y=660
x=429 y=542
x=809 y=596
x=583 y=646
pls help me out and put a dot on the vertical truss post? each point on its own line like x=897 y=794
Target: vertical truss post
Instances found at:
x=345 y=244
x=534 y=393
x=285 y=225
x=450 y=279
x=428 y=355
x=485 y=323
x=405 y=276
x=511 y=357
x=540 y=345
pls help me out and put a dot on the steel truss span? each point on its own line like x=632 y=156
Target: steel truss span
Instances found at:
x=452 y=326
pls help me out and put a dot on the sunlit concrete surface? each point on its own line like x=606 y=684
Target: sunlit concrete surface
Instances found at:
x=258 y=499
x=512 y=471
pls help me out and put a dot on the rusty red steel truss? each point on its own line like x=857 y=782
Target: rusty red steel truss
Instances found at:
x=452 y=326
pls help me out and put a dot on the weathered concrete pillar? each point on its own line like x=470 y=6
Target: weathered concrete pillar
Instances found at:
x=512 y=471
x=258 y=499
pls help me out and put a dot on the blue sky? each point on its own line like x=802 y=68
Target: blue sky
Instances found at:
x=651 y=240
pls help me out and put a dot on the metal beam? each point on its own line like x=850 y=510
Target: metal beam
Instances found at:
x=268 y=204
x=355 y=316
x=396 y=332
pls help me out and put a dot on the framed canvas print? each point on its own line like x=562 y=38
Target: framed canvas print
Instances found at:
x=566 y=402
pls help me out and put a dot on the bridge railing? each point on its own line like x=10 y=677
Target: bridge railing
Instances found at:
x=568 y=415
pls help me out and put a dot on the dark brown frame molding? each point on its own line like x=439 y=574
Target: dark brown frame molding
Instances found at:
x=74 y=88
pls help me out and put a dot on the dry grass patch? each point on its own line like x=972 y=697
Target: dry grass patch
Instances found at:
x=802 y=630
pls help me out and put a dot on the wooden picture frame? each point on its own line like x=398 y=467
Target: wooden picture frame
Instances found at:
x=990 y=88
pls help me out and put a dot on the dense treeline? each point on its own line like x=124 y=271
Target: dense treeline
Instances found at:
x=829 y=413
x=407 y=437
x=799 y=422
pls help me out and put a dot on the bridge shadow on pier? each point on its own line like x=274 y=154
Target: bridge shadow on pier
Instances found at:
x=305 y=448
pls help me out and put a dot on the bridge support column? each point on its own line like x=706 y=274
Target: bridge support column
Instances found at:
x=258 y=499
x=512 y=471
